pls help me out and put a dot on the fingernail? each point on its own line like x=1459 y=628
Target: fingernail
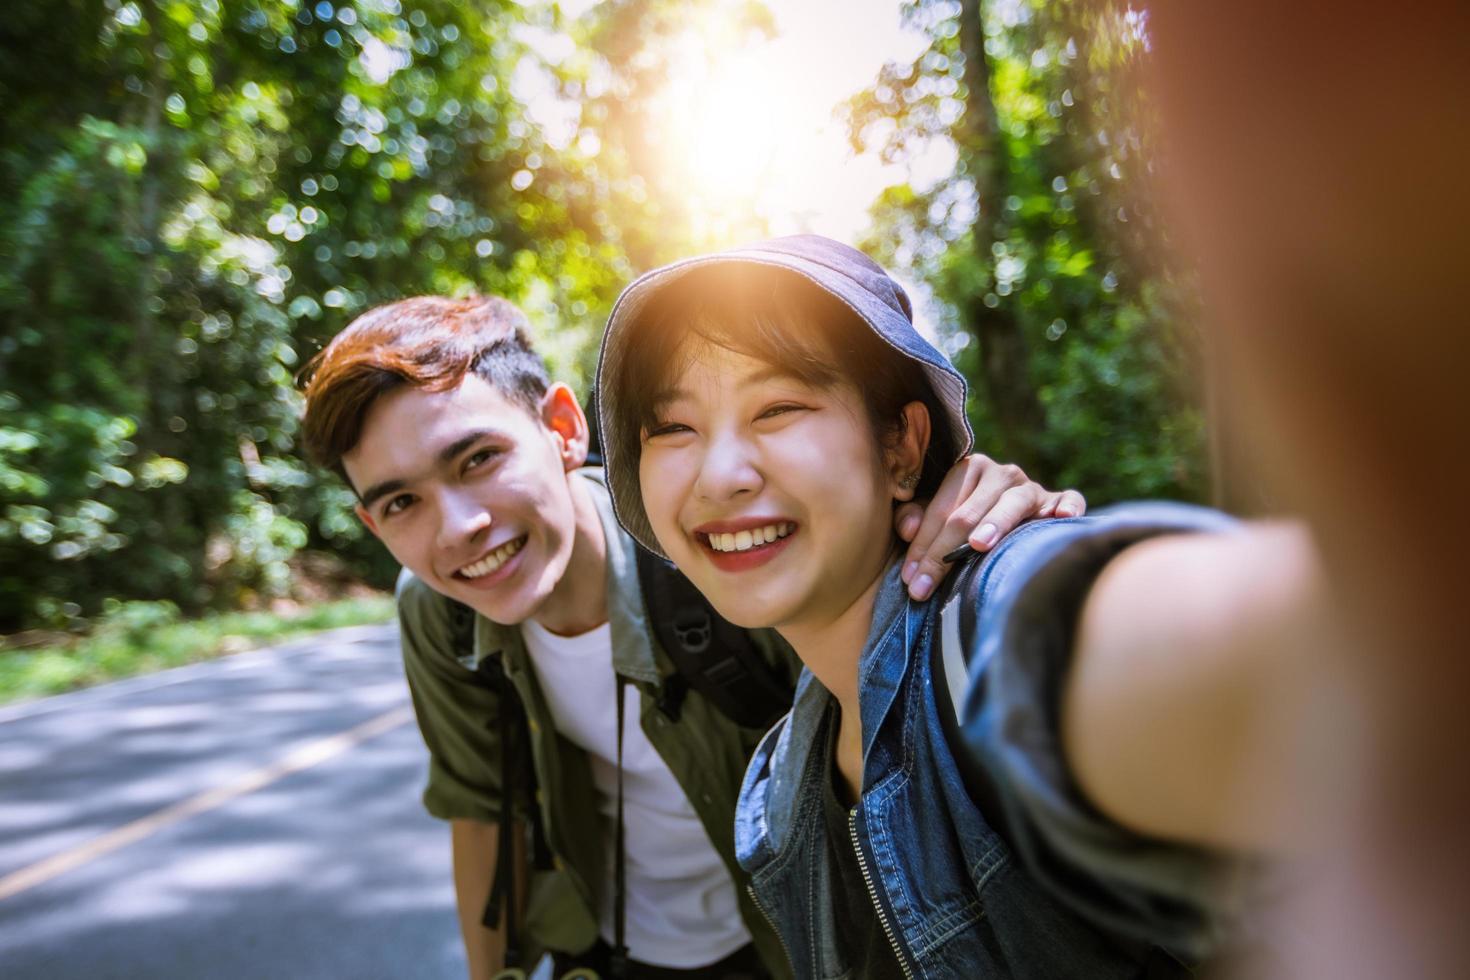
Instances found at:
x=1066 y=511
x=908 y=571
x=910 y=526
x=985 y=537
x=921 y=587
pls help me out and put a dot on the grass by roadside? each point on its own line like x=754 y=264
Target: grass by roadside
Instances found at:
x=146 y=637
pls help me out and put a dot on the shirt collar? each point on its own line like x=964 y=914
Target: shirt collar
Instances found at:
x=632 y=648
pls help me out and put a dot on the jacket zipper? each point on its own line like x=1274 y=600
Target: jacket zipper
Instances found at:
x=790 y=962
x=873 y=894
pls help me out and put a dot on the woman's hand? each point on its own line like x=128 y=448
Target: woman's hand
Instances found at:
x=979 y=502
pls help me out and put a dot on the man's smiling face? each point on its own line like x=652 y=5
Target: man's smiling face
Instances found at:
x=468 y=490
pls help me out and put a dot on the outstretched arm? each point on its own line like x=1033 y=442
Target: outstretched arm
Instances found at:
x=979 y=502
x=1192 y=668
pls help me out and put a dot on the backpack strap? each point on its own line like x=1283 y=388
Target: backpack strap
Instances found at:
x=957 y=618
x=618 y=962
x=949 y=672
x=710 y=654
x=515 y=770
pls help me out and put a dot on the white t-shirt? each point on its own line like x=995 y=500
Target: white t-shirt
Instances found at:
x=682 y=910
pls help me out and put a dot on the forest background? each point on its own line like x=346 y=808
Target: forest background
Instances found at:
x=195 y=195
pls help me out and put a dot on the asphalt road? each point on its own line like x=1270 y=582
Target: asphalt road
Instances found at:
x=255 y=816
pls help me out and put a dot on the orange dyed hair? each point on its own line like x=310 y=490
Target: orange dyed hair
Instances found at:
x=429 y=342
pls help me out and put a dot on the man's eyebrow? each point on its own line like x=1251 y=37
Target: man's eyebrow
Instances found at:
x=445 y=455
x=378 y=490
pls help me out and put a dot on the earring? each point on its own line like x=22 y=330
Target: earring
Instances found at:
x=910 y=481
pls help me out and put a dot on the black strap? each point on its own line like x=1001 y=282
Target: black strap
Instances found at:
x=513 y=748
x=961 y=598
x=710 y=654
x=503 y=890
x=618 y=962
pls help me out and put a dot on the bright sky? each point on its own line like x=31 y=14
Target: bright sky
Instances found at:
x=752 y=127
x=762 y=134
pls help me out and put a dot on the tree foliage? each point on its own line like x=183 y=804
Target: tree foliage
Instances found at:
x=197 y=194
x=1039 y=245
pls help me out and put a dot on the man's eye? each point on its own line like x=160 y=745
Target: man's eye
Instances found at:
x=480 y=457
x=397 y=505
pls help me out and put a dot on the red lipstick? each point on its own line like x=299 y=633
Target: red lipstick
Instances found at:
x=752 y=557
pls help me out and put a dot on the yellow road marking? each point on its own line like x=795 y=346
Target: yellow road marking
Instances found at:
x=300 y=758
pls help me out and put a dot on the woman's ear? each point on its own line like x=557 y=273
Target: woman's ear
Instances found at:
x=567 y=423
x=906 y=454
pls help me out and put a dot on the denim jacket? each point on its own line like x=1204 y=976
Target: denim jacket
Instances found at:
x=1043 y=886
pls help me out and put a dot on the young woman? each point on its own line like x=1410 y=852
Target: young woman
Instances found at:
x=764 y=412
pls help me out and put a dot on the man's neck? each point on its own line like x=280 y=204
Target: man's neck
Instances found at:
x=579 y=601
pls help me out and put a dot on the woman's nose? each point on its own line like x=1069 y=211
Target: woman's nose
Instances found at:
x=729 y=468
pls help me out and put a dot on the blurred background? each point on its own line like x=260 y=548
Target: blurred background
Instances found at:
x=195 y=195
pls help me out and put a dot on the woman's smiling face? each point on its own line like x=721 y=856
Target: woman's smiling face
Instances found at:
x=771 y=494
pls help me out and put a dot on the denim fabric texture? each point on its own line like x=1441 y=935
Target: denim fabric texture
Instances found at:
x=1046 y=888
x=838 y=269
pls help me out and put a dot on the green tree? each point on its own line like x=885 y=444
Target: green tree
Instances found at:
x=1039 y=246
x=198 y=195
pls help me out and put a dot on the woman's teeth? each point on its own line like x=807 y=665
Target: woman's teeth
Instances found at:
x=745 y=540
x=493 y=560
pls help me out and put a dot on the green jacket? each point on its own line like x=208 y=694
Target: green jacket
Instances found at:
x=458 y=716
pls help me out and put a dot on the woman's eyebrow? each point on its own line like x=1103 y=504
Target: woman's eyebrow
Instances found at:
x=665 y=397
x=772 y=372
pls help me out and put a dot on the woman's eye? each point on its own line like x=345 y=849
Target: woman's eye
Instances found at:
x=781 y=409
x=397 y=505
x=665 y=429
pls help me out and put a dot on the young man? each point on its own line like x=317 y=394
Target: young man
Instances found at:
x=522 y=616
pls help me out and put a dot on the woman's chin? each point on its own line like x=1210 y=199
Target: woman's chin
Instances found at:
x=747 y=610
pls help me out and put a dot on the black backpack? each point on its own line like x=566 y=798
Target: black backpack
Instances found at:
x=710 y=654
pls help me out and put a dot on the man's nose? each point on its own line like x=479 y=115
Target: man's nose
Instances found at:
x=461 y=519
x=729 y=468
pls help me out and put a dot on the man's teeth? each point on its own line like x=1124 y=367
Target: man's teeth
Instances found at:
x=493 y=560
x=745 y=540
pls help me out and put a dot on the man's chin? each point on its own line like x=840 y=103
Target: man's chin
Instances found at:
x=509 y=604
x=510 y=612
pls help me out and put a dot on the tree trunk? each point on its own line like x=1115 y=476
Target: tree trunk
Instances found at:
x=1005 y=363
x=145 y=228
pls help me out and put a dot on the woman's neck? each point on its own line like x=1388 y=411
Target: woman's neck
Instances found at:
x=831 y=650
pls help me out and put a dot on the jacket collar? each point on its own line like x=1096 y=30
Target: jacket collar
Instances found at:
x=885 y=658
x=785 y=776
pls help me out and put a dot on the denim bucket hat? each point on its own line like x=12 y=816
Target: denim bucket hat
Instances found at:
x=839 y=270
